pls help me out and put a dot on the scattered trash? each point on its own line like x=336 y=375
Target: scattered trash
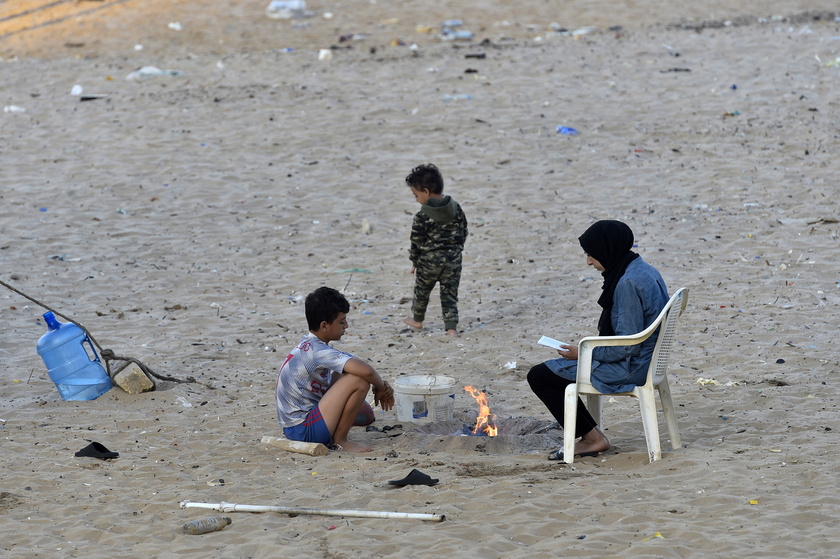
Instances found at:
x=706 y=381
x=655 y=536
x=567 y=131
x=296 y=511
x=780 y=361
x=325 y=55
x=175 y=26
x=147 y=72
x=71 y=360
x=583 y=31
x=205 y=526
x=455 y=34
x=76 y=90
x=97 y=450
x=184 y=402
x=459 y=35
x=457 y=97
x=414 y=477
x=352 y=37
x=287 y=9
x=13 y=109
x=510 y=365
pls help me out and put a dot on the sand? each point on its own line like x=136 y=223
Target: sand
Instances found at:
x=183 y=218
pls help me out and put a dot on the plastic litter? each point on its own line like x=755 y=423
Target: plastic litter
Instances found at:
x=286 y=9
x=457 y=97
x=206 y=525
x=184 y=402
x=458 y=35
x=566 y=130
x=147 y=72
x=13 y=109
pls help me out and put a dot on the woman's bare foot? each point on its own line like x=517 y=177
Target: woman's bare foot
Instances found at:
x=452 y=332
x=413 y=323
x=593 y=441
x=352 y=446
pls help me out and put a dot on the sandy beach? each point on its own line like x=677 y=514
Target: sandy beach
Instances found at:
x=182 y=218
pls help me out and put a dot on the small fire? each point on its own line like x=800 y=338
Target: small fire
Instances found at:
x=485 y=422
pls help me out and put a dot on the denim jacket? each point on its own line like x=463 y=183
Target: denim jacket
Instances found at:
x=640 y=296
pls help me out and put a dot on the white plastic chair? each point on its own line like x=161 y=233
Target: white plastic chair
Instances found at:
x=656 y=378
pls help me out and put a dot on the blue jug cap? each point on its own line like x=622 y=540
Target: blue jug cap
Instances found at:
x=52 y=322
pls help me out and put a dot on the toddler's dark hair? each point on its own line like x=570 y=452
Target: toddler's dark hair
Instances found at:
x=426 y=177
x=324 y=305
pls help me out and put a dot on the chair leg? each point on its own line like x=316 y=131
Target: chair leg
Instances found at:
x=670 y=413
x=593 y=404
x=647 y=403
x=569 y=421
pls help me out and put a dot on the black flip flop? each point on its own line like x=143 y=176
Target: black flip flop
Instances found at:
x=97 y=450
x=558 y=455
x=415 y=477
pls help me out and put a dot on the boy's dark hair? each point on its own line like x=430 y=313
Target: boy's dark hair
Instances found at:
x=323 y=305
x=426 y=177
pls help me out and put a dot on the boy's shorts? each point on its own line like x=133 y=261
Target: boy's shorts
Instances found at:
x=312 y=430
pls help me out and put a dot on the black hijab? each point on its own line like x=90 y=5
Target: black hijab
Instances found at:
x=609 y=242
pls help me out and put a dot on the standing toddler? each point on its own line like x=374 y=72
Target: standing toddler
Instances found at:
x=438 y=235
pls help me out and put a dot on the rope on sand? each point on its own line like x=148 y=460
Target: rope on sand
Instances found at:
x=107 y=354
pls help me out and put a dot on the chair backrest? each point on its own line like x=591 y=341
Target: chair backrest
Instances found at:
x=667 y=330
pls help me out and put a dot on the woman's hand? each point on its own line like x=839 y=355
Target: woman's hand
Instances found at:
x=570 y=353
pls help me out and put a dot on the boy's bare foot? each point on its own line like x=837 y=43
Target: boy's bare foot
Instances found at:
x=352 y=446
x=413 y=323
x=452 y=332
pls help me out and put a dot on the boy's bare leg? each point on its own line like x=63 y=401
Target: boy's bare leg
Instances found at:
x=452 y=332
x=413 y=323
x=339 y=408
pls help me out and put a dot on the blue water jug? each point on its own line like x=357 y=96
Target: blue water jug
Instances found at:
x=76 y=374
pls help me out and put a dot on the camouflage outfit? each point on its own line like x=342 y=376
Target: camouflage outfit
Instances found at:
x=438 y=235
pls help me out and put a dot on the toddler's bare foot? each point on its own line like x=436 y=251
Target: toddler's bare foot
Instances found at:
x=351 y=446
x=413 y=323
x=452 y=332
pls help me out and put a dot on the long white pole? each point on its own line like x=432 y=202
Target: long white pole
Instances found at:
x=231 y=507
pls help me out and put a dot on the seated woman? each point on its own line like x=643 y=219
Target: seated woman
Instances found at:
x=634 y=294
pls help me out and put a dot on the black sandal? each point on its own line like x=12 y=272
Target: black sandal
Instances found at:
x=558 y=455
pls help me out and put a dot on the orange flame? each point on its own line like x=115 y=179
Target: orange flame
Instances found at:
x=485 y=422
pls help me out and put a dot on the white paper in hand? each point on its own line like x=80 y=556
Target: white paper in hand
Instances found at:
x=551 y=342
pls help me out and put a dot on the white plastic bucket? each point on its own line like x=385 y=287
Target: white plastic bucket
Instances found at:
x=425 y=398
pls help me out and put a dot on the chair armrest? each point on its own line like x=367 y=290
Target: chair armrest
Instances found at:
x=587 y=346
